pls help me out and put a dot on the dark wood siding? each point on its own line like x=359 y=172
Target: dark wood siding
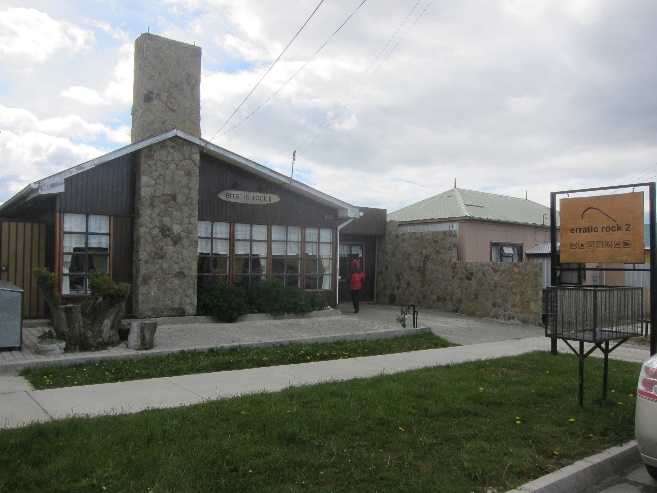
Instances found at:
x=291 y=210
x=372 y=222
x=107 y=189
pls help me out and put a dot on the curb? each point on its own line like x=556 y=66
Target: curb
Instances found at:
x=12 y=368
x=586 y=473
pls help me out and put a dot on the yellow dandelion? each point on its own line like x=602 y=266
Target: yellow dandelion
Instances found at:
x=571 y=420
x=402 y=429
x=555 y=453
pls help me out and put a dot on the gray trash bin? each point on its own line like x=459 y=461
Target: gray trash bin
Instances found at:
x=11 y=316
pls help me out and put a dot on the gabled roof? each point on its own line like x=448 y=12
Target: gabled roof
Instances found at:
x=458 y=204
x=55 y=183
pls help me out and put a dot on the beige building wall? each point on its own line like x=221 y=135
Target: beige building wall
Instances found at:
x=475 y=238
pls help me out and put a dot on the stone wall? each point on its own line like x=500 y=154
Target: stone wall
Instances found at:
x=167 y=87
x=166 y=230
x=421 y=268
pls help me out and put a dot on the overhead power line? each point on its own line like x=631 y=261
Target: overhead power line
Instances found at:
x=269 y=69
x=296 y=73
x=332 y=114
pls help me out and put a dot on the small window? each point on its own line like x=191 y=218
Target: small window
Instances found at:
x=213 y=251
x=286 y=254
x=85 y=247
x=506 y=252
x=250 y=253
x=318 y=260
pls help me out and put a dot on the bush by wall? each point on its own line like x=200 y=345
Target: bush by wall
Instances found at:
x=228 y=303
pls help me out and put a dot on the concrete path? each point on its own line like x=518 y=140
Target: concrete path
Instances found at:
x=479 y=339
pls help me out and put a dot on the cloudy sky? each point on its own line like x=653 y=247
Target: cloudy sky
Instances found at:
x=514 y=97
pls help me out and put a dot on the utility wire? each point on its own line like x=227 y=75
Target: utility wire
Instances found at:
x=302 y=151
x=295 y=74
x=331 y=113
x=268 y=70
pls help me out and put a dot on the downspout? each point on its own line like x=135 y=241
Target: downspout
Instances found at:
x=337 y=263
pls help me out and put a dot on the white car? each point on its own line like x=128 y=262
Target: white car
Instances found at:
x=646 y=415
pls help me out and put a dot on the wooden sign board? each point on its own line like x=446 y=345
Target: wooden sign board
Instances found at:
x=253 y=198
x=602 y=229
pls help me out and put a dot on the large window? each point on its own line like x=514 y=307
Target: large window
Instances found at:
x=241 y=253
x=286 y=254
x=250 y=253
x=505 y=252
x=213 y=251
x=318 y=261
x=85 y=247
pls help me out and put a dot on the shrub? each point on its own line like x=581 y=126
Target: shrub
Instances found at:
x=317 y=303
x=222 y=302
x=228 y=303
x=47 y=282
x=275 y=298
x=101 y=286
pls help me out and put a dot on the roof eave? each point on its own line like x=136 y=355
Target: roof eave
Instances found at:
x=54 y=183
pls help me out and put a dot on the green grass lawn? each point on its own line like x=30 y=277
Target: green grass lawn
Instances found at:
x=460 y=428
x=222 y=359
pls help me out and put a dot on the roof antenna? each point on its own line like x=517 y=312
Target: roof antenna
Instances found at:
x=454 y=182
x=525 y=194
x=294 y=156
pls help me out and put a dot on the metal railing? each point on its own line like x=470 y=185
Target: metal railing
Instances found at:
x=594 y=313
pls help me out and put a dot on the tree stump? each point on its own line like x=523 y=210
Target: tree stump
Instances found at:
x=68 y=322
x=142 y=334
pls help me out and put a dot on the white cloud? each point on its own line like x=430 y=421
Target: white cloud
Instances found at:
x=34 y=36
x=106 y=27
x=83 y=95
x=35 y=155
x=19 y=122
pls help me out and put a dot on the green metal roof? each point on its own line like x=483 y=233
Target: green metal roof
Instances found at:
x=459 y=204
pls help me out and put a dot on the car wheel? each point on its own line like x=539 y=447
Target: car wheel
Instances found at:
x=652 y=470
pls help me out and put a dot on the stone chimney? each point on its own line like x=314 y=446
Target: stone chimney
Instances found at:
x=166 y=97
x=167 y=87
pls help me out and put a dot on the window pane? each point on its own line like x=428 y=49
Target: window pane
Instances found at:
x=312 y=234
x=203 y=245
x=259 y=248
x=75 y=222
x=204 y=228
x=221 y=230
x=278 y=233
x=98 y=241
x=278 y=248
x=293 y=233
x=259 y=232
x=325 y=249
x=311 y=249
x=324 y=266
x=73 y=243
x=325 y=235
x=220 y=247
x=243 y=231
x=242 y=247
x=99 y=224
x=294 y=249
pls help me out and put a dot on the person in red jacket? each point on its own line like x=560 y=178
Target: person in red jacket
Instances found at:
x=355 y=279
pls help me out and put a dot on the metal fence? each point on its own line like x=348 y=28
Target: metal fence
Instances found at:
x=594 y=313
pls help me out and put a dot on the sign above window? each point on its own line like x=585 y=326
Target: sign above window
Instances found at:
x=605 y=228
x=254 y=198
